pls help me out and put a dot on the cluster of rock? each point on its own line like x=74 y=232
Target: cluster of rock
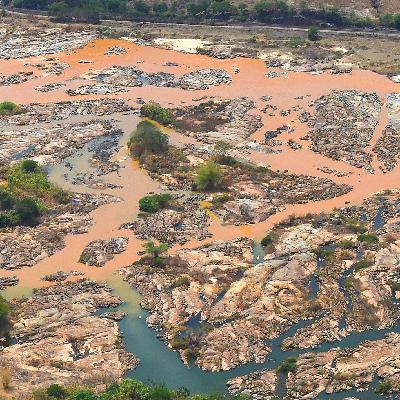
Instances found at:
x=15 y=79
x=117 y=79
x=228 y=121
x=115 y=50
x=344 y=124
x=49 y=112
x=295 y=63
x=241 y=304
x=98 y=252
x=8 y=281
x=22 y=43
x=254 y=198
x=26 y=246
x=49 y=87
x=349 y=295
x=50 y=66
x=58 y=339
x=387 y=147
x=50 y=145
x=61 y=276
x=171 y=225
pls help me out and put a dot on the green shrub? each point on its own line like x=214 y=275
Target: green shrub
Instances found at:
x=29 y=166
x=363 y=263
x=288 y=365
x=147 y=139
x=56 y=391
x=267 y=240
x=4 y=307
x=208 y=176
x=7 y=107
x=157 y=113
x=368 y=238
x=155 y=202
x=384 y=387
x=313 y=34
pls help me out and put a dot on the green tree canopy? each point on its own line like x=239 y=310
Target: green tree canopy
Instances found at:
x=147 y=139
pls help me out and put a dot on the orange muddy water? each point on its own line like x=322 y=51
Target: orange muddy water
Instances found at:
x=288 y=91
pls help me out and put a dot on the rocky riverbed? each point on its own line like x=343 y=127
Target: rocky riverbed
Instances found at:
x=57 y=338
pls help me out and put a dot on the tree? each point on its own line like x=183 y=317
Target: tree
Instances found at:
x=397 y=21
x=29 y=166
x=27 y=210
x=57 y=391
x=60 y=11
x=142 y=7
x=155 y=251
x=147 y=139
x=208 y=175
x=4 y=307
x=155 y=112
x=313 y=34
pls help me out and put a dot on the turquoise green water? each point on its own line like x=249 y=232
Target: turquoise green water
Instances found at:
x=159 y=364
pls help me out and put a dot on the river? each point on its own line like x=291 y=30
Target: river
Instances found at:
x=158 y=362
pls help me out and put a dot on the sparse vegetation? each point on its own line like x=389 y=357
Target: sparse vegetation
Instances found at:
x=363 y=263
x=384 y=387
x=27 y=194
x=313 y=34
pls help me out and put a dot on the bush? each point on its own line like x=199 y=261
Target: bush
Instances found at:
x=153 y=203
x=364 y=263
x=28 y=211
x=313 y=34
x=384 y=387
x=29 y=166
x=182 y=281
x=396 y=22
x=288 y=365
x=267 y=240
x=208 y=176
x=56 y=391
x=147 y=139
x=157 y=113
x=7 y=107
x=4 y=307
